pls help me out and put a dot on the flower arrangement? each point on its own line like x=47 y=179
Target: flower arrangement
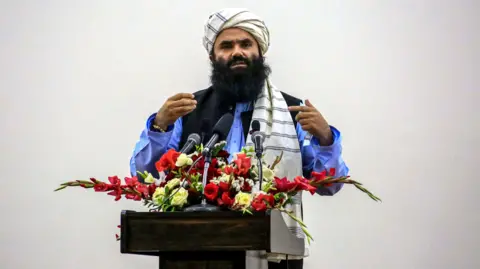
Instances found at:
x=230 y=185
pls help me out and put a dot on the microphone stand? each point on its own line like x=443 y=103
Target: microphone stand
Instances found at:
x=260 y=168
x=204 y=206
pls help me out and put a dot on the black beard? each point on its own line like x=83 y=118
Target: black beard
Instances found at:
x=243 y=84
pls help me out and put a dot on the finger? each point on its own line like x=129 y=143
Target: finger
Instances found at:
x=306 y=127
x=305 y=122
x=308 y=103
x=182 y=110
x=179 y=96
x=305 y=115
x=300 y=108
x=182 y=102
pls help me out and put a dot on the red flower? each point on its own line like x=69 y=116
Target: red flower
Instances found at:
x=246 y=187
x=211 y=191
x=224 y=186
x=167 y=161
x=101 y=187
x=262 y=202
x=243 y=164
x=213 y=170
x=131 y=181
x=223 y=154
x=142 y=189
x=114 y=180
x=317 y=177
x=304 y=185
x=284 y=185
x=225 y=200
x=133 y=196
x=228 y=169
x=117 y=192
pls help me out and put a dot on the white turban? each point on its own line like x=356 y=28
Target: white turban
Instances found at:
x=238 y=18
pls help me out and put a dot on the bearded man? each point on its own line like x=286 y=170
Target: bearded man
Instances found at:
x=236 y=41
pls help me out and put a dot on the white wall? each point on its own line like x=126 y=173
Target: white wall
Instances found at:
x=79 y=78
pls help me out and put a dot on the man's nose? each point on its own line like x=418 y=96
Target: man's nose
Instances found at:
x=238 y=52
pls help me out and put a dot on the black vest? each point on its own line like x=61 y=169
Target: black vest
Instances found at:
x=211 y=105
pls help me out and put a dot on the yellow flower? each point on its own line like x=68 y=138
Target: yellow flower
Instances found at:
x=158 y=195
x=183 y=160
x=180 y=197
x=172 y=183
x=243 y=199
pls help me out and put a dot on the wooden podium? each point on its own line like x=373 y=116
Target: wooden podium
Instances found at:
x=210 y=240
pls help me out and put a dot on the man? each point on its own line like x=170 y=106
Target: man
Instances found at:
x=237 y=41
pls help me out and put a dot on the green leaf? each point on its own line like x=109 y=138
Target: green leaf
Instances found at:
x=60 y=188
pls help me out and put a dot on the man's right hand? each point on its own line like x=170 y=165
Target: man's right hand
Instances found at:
x=175 y=107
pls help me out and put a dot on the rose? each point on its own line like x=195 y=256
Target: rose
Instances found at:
x=183 y=160
x=158 y=195
x=211 y=191
x=180 y=197
x=243 y=199
x=225 y=200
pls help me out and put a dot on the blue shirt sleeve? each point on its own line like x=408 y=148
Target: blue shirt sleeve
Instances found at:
x=319 y=158
x=152 y=145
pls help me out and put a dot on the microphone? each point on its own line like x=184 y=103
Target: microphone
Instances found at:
x=257 y=138
x=220 y=131
x=192 y=140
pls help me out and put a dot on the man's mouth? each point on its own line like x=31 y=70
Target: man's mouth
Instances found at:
x=238 y=64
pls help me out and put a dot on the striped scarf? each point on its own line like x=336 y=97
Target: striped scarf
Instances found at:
x=276 y=122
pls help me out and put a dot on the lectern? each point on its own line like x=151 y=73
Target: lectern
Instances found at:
x=208 y=240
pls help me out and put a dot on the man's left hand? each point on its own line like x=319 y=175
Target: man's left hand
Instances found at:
x=313 y=122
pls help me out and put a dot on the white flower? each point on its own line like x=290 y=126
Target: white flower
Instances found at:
x=173 y=183
x=180 y=197
x=158 y=195
x=268 y=174
x=150 y=179
x=224 y=177
x=183 y=160
x=161 y=179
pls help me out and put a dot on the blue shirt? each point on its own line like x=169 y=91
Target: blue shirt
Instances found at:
x=152 y=145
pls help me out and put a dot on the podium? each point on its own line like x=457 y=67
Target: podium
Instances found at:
x=220 y=239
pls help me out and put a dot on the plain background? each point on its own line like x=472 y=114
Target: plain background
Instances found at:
x=400 y=79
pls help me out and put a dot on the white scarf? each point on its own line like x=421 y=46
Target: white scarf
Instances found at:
x=276 y=122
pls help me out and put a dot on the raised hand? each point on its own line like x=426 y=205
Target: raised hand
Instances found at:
x=175 y=107
x=313 y=122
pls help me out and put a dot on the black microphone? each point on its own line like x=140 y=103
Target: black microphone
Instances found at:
x=220 y=131
x=257 y=138
x=192 y=141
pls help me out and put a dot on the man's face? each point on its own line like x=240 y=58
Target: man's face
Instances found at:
x=238 y=69
x=235 y=47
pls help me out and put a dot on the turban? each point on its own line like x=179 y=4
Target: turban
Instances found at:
x=236 y=18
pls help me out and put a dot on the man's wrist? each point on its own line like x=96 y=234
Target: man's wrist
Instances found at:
x=325 y=138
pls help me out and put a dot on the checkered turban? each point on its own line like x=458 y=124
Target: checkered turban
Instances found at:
x=236 y=18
